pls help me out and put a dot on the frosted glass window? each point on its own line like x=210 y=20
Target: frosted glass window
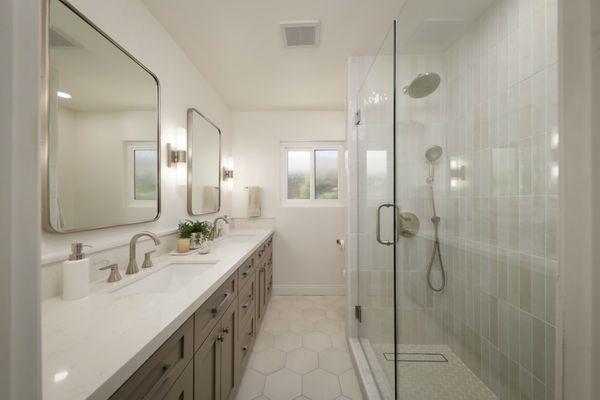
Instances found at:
x=145 y=177
x=298 y=175
x=312 y=173
x=326 y=174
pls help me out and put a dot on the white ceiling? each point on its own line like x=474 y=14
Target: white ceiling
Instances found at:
x=238 y=46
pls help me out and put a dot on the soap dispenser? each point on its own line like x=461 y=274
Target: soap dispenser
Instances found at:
x=76 y=274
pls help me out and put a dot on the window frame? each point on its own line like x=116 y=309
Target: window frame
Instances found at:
x=312 y=147
x=130 y=147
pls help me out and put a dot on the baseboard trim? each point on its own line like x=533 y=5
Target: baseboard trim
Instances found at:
x=309 y=290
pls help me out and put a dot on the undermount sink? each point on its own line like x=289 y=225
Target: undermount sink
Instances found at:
x=238 y=238
x=168 y=279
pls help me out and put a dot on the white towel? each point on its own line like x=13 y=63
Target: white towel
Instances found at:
x=254 y=200
x=210 y=199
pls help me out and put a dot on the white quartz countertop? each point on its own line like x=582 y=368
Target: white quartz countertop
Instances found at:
x=91 y=346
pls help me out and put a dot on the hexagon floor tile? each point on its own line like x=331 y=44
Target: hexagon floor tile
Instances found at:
x=301 y=353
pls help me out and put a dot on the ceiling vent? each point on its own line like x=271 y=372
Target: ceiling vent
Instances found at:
x=301 y=33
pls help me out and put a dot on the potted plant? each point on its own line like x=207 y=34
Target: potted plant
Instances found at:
x=201 y=236
x=185 y=229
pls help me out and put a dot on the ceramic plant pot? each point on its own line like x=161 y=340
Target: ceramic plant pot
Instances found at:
x=183 y=245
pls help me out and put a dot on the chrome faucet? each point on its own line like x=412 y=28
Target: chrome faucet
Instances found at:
x=132 y=267
x=215 y=231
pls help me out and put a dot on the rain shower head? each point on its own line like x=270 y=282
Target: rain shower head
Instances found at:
x=433 y=153
x=423 y=85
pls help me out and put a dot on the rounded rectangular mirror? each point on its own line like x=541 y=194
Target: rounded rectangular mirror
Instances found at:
x=103 y=132
x=204 y=164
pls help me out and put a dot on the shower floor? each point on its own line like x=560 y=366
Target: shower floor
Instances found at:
x=431 y=372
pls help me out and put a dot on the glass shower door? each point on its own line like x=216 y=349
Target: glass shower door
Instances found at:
x=376 y=221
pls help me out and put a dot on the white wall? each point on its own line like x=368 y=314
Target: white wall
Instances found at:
x=306 y=257
x=182 y=86
x=19 y=201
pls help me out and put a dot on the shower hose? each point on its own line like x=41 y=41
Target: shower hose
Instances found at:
x=436 y=249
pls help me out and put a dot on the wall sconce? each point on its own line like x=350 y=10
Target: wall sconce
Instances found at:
x=177 y=157
x=228 y=173
x=228 y=169
x=457 y=172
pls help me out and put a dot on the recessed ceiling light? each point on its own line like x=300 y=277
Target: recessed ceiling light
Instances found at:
x=63 y=95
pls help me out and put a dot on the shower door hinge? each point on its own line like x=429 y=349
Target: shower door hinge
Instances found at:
x=357 y=117
x=358 y=313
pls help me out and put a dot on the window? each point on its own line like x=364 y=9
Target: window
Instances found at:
x=312 y=173
x=141 y=174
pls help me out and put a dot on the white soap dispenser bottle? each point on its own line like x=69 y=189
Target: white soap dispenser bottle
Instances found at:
x=76 y=274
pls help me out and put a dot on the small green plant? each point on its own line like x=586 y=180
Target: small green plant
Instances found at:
x=185 y=228
x=204 y=228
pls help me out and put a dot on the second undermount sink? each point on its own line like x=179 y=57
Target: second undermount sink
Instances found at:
x=168 y=279
x=238 y=238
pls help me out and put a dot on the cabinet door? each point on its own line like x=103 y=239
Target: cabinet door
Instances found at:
x=183 y=388
x=229 y=368
x=207 y=367
x=261 y=287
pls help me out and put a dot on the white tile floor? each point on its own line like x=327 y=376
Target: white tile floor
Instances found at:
x=301 y=353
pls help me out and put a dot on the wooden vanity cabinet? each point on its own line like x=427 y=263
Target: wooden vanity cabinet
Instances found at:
x=183 y=388
x=205 y=359
x=160 y=372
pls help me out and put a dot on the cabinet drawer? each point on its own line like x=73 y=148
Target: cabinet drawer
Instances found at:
x=246 y=271
x=183 y=388
x=262 y=249
x=246 y=301
x=246 y=341
x=153 y=380
x=209 y=313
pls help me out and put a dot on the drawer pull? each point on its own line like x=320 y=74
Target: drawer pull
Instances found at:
x=247 y=271
x=226 y=330
x=220 y=338
x=245 y=348
x=164 y=377
x=244 y=306
x=215 y=310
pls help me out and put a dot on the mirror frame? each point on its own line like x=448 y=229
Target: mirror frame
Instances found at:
x=45 y=120
x=190 y=158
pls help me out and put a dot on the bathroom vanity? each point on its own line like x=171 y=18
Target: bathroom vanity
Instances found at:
x=183 y=330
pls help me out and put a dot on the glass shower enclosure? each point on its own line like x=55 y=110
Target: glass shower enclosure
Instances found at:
x=457 y=174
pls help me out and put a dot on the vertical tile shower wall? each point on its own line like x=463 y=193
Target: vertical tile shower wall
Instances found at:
x=496 y=114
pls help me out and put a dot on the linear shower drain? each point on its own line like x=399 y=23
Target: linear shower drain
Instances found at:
x=416 y=357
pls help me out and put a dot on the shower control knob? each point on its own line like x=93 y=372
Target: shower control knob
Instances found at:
x=435 y=219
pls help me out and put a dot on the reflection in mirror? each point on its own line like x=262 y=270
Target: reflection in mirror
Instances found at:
x=204 y=164
x=103 y=129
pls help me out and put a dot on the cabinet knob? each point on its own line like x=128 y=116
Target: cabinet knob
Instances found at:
x=226 y=330
x=220 y=338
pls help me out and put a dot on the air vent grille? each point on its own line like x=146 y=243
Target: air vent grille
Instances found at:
x=301 y=33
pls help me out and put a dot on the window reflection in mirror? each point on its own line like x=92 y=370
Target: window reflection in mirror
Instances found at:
x=102 y=143
x=204 y=165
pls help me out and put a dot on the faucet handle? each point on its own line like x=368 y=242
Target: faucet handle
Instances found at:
x=114 y=272
x=147 y=260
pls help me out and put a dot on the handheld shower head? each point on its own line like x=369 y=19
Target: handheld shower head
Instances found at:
x=432 y=155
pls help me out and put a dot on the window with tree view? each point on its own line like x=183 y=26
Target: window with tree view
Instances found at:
x=312 y=173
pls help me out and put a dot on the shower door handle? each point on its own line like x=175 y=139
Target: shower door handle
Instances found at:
x=378 y=233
